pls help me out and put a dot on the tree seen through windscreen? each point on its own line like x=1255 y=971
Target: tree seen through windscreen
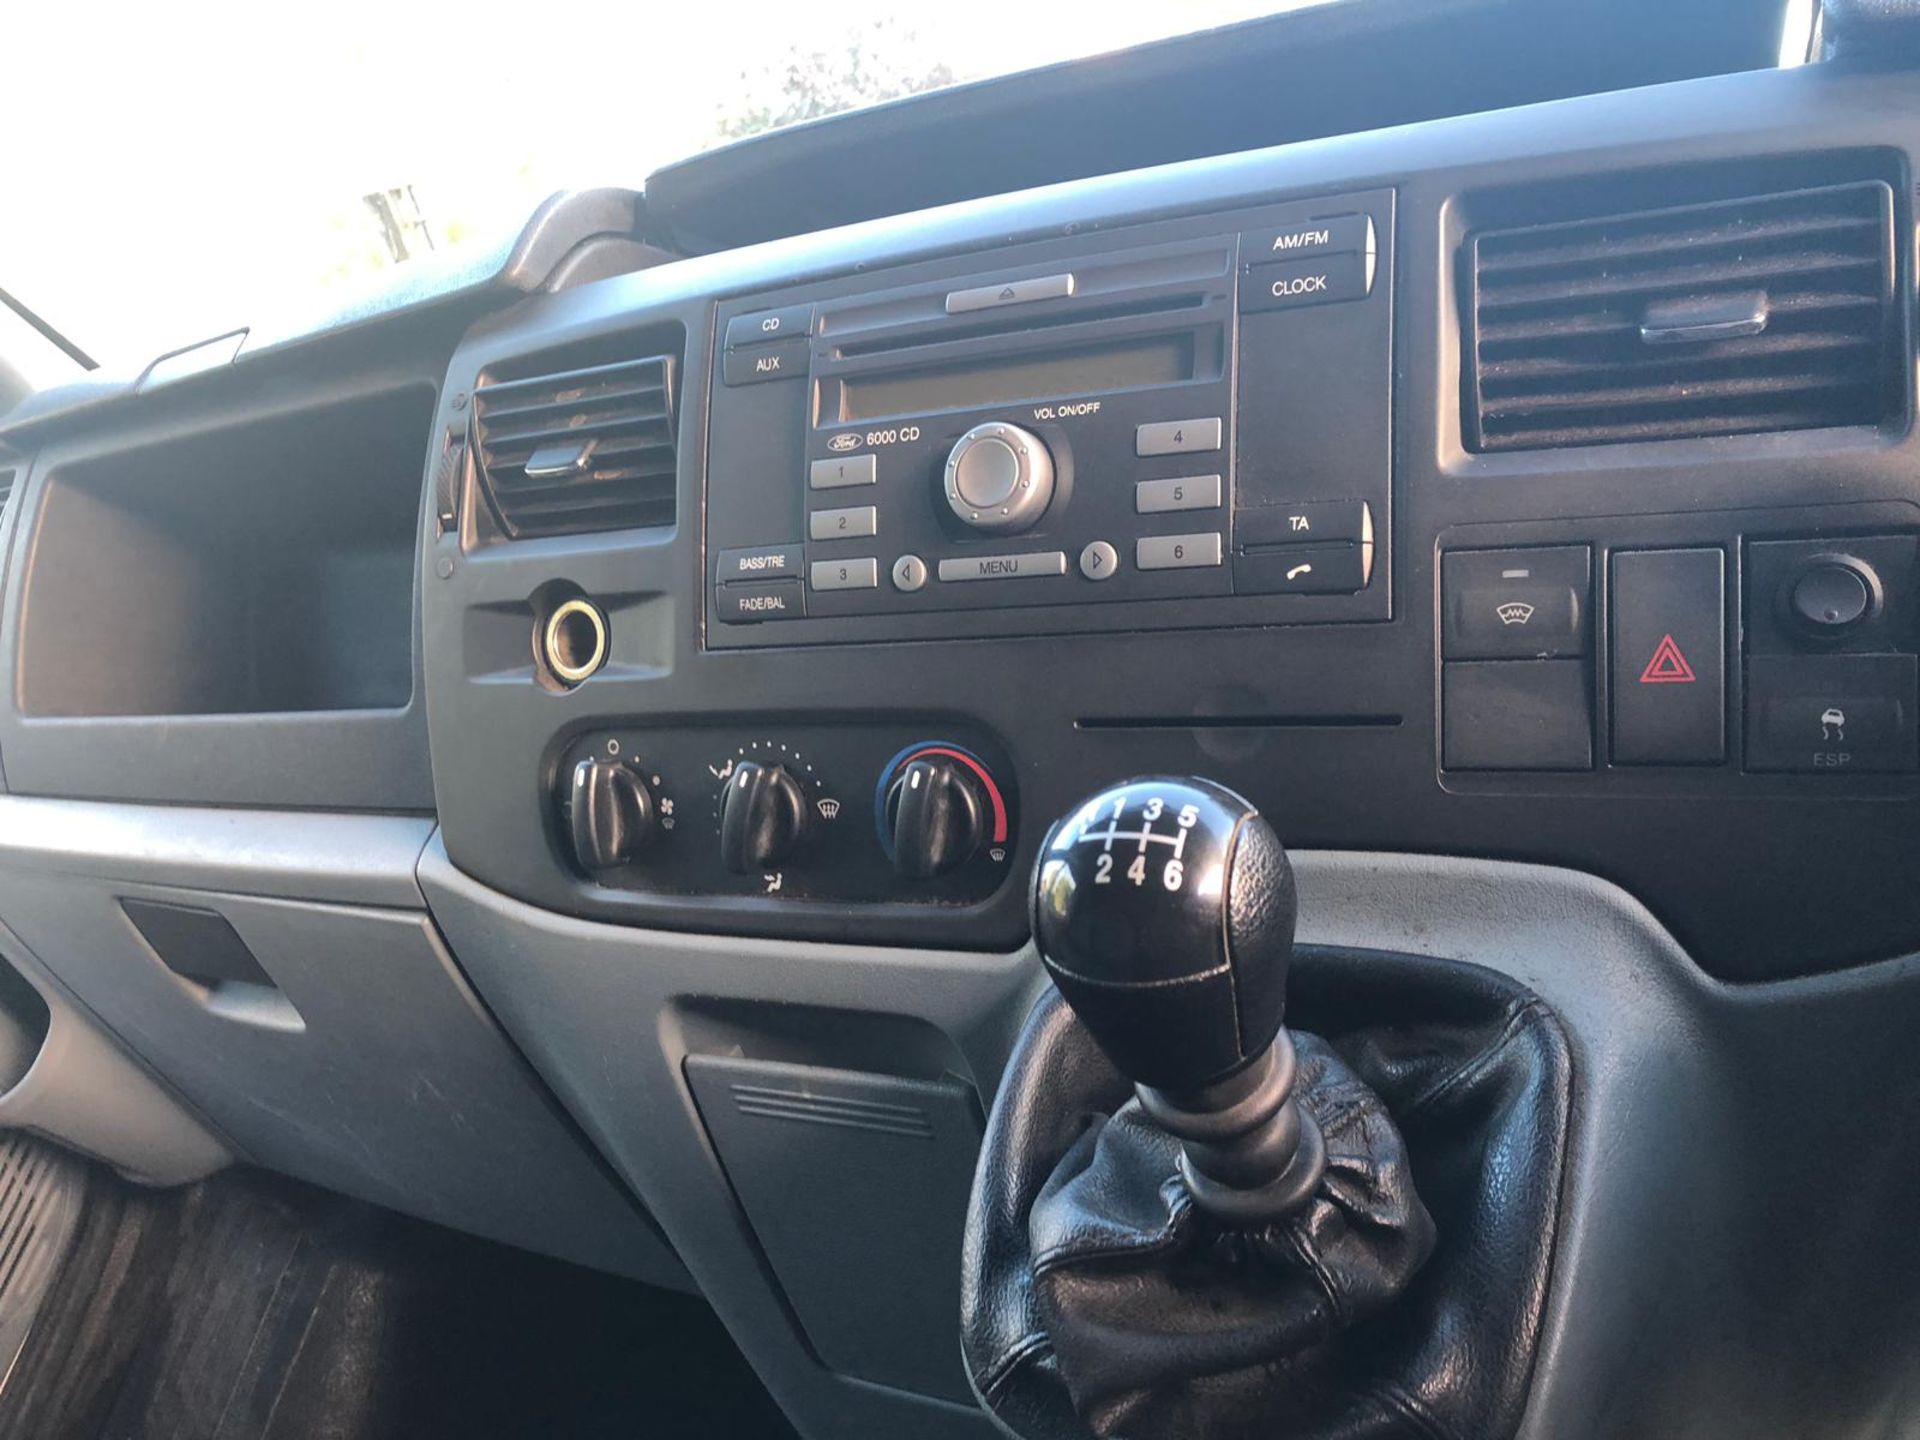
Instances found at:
x=875 y=62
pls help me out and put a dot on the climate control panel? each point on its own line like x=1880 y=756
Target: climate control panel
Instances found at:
x=795 y=815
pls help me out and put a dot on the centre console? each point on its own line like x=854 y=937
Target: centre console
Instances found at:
x=1185 y=426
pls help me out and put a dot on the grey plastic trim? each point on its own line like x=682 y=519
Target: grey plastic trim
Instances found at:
x=293 y=855
x=83 y=1091
x=1686 y=1091
x=361 y=1060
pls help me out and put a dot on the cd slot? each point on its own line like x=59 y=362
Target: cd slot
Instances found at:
x=1014 y=324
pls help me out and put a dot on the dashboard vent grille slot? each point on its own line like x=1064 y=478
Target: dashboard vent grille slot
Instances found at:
x=1771 y=313
x=582 y=450
x=6 y=490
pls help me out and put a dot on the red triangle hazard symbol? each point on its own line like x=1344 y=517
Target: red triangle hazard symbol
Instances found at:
x=1668 y=666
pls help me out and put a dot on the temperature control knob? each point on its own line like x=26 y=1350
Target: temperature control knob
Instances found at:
x=999 y=478
x=610 y=814
x=938 y=815
x=763 y=816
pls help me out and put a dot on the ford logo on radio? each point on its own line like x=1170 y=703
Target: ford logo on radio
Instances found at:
x=845 y=440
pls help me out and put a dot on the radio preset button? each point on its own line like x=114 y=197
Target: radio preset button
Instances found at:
x=1099 y=561
x=742 y=603
x=1178 y=437
x=1010 y=292
x=1004 y=567
x=838 y=471
x=1176 y=552
x=1189 y=492
x=909 y=573
x=863 y=574
x=855 y=522
x=763 y=327
x=999 y=477
x=781 y=360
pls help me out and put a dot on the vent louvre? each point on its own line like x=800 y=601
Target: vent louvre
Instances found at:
x=580 y=450
x=1559 y=356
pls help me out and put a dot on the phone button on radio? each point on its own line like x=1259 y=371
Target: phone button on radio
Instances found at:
x=1303 y=570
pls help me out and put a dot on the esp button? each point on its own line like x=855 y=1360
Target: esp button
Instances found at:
x=1831 y=714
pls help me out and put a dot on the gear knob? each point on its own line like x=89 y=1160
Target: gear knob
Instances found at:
x=1164 y=910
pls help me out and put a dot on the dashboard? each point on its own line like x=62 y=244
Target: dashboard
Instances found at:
x=620 y=691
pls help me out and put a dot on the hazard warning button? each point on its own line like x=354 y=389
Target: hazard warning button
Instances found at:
x=1668 y=665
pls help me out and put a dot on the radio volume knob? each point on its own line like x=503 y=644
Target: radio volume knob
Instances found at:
x=999 y=478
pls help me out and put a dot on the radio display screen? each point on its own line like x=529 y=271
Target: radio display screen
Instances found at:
x=1125 y=365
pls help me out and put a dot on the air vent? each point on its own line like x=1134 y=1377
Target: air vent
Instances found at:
x=6 y=491
x=1773 y=313
x=584 y=450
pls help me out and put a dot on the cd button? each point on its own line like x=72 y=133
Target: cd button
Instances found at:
x=763 y=327
x=1176 y=552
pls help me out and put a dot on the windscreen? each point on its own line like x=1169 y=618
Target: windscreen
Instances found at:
x=183 y=169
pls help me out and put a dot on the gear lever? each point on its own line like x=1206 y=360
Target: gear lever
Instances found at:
x=1164 y=911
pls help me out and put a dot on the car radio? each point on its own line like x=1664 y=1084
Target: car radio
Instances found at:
x=1186 y=425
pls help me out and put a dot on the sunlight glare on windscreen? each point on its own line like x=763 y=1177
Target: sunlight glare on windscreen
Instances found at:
x=195 y=166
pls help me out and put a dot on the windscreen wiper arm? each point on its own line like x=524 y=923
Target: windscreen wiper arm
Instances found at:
x=28 y=314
